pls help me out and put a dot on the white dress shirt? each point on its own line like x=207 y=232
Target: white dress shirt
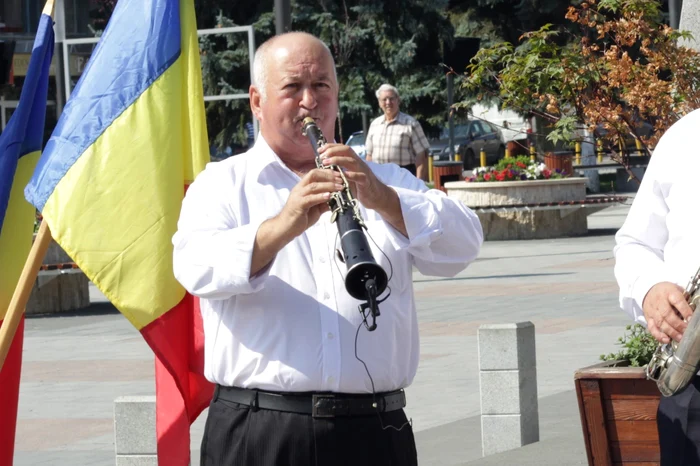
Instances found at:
x=660 y=239
x=292 y=326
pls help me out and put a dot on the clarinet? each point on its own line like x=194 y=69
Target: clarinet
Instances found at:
x=365 y=279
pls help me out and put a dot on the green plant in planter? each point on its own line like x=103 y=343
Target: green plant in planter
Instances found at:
x=515 y=169
x=638 y=346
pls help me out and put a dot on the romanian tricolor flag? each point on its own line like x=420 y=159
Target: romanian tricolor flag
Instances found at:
x=20 y=146
x=110 y=183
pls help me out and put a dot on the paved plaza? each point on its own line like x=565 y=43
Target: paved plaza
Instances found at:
x=76 y=365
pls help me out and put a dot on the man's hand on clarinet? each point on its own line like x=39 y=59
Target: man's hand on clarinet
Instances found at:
x=665 y=308
x=367 y=188
x=363 y=183
x=309 y=199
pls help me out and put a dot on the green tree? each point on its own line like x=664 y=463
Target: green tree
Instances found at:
x=504 y=20
x=373 y=42
x=623 y=67
x=226 y=70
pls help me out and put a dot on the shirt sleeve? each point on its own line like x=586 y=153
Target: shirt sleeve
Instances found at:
x=444 y=236
x=212 y=252
x=369 y=144
x=640 y=243
x=418 y=140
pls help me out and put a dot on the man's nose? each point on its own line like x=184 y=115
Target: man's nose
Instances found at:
x=308 y=98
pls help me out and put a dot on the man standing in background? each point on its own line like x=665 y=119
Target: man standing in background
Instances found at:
x=396 y=137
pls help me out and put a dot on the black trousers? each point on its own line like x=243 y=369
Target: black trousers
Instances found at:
x=410 y=167
x=237 y=434
x=678 y=419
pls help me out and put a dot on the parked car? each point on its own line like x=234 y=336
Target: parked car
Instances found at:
x=470 y=138
x=357 y=142
x=513 y=125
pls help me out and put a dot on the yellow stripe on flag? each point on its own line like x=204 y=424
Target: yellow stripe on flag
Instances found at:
x=16 y=235
x=137 y=171
x=194 y=123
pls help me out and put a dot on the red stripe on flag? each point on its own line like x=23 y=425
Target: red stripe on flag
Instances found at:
x=9 y=396
x=182 y=392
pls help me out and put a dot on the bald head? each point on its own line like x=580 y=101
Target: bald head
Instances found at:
x=282 y=44
x=294 y=78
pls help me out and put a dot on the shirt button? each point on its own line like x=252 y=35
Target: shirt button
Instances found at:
x=322 y=259
x=330 y=336
x=330 y=379
x=326 y=295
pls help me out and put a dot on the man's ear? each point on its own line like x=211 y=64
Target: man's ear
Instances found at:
x=255 y=102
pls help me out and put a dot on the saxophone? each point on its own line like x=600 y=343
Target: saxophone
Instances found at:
x=674 y=364
x=365 y=279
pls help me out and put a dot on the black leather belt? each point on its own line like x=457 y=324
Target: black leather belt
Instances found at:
x=315 y=404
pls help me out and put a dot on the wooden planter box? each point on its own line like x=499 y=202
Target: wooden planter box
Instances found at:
x=446 y=171
x=58 y=293
x=618 y=414
x=562 y=161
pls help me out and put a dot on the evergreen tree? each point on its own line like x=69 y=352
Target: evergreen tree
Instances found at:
x=373 y=42
x=504 y=20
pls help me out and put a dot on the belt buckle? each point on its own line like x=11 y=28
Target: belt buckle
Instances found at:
x=317 y=408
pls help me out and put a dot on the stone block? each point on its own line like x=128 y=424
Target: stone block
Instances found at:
x=508 y=386
x=506 y=346
x=58 y=293
x=569 y=221
x=506 y=432
x=500 y=392
x=137 y=460
x=500 y=433
x=508 y=392
x=135 y=426
x=505 y=193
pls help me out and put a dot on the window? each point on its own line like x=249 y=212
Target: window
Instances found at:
x=476 y=130
x=461 y=131
x=78 y=20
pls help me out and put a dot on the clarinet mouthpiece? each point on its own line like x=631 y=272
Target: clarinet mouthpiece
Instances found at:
x=306 y=123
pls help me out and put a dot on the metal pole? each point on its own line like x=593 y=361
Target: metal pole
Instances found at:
x=61 y=57
x=251 y=60
x=451 y=124
x=3 y=118
x=674 y=12
x=283 y=16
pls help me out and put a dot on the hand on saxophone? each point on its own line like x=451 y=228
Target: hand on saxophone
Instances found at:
x=665 y=309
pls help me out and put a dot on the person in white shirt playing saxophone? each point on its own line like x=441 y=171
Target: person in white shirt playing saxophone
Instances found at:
x=657 y=252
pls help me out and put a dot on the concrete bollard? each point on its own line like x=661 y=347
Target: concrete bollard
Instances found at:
x=135 y=431
x=508 y=385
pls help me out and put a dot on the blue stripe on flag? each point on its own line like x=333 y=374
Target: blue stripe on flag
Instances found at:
x=24 y=132
x=135 y=57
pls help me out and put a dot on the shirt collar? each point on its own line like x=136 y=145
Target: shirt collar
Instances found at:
x=262 y=155
x=398 y=119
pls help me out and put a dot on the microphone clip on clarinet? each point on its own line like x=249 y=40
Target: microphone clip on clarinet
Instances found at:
x=365 y=280
x=371 y=304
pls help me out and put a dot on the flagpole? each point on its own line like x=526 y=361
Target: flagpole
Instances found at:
x=20 y=298
x=48 y=8
x=24 y=289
